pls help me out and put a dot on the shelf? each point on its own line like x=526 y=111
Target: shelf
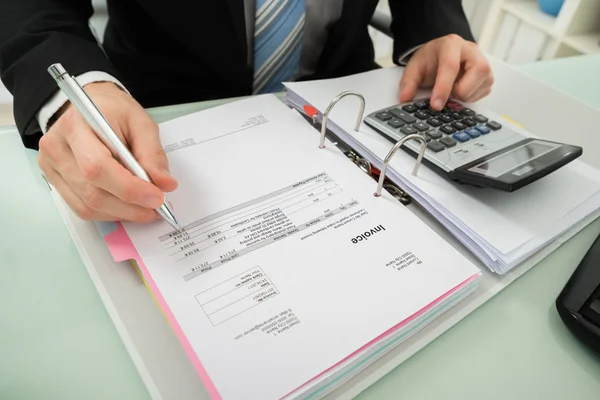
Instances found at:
x=587 y=43
x=529 y=12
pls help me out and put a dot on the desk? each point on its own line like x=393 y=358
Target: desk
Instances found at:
x=58 y=342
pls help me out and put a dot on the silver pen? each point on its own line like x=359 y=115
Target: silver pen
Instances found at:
x=105 y=133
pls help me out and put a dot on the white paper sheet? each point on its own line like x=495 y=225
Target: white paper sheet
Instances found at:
x=289 y=264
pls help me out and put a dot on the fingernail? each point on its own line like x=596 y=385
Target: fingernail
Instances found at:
x=153 y=202
x=438 y=103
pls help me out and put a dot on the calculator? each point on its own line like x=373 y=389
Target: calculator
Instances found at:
x=471 y=147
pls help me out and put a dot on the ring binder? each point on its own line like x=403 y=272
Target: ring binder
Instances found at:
x=389 y=156
x=330 y=107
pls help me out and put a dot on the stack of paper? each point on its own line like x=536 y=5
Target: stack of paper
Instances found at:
x=289 y=276
x=502 y=229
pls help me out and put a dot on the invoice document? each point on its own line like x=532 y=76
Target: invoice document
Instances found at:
x=287 y=264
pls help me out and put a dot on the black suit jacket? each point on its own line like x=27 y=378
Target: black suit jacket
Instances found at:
x=178 y=51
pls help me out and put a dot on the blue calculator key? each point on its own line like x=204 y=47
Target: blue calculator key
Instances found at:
x=474 y=133
x=484 y=130
x=461 y=137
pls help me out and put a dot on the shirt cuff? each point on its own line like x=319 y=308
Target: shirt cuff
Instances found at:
x=405 y=57
x=59 y=98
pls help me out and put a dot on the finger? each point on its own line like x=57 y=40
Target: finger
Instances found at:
x=448 y=70
x=147 y=148
x=97 y=167
x=478 y=73
x=98 y=200
x=411 y=79
x=73 y=200
x=482 y=92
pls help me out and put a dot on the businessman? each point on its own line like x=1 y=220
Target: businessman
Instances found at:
x=168 y=52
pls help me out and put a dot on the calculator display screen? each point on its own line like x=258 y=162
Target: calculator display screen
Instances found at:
x=518 y=157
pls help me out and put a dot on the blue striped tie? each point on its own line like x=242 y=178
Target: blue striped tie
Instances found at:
x=277 y=43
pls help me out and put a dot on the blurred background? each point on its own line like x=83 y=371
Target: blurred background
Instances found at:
x=516 y=31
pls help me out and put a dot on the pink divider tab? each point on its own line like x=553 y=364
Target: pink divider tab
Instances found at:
x=394 y=328
x=122 y=249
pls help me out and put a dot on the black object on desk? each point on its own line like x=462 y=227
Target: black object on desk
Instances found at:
x=579 y=302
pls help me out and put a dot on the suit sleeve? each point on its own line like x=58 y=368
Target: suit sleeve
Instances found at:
x=416 y=22
x=35 y=34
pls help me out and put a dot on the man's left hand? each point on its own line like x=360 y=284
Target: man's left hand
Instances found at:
x=453 y=66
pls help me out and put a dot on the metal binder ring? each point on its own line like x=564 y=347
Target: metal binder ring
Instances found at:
x=330 y=107
x=389 y=156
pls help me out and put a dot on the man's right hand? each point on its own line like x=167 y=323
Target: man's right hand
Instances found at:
x=88 y=178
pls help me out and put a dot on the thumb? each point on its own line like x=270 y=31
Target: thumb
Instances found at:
x=411 y=79
x=146 y=147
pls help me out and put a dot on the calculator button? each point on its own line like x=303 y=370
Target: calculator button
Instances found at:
x=494 y=125
x=421 y=126
x=421 y=105
x=409 y=108
x=422 y=114
x=408 y=130
x=455 y=115
x=467 y=112
x=474 y=133
x=409 y=119
x=448 y=141
x=459 y=125
x=454 y=105
x=445 y=118
x=434 y=122
x=396 y=123
x=484 y=130
x=425 y=136
x=461 y=137
x=436 y=146
x=447 y=129
x=434 y=134
x=470 y=122
x=481 y=118
x=432 y=112
x=384 y=116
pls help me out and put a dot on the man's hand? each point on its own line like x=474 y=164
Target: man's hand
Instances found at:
x=88 y=178
x=453 y=66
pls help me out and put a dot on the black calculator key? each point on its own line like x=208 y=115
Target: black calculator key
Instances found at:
x=447 y=129
x=455 y=115
x=408 y=130
x=445 y=118
x=434 y=134
x=396 y=123
x=436 y=146
x=459 y=125
x=384 y=116
x=434 y=122
x=494 y=125
x=481 y=118
x=425 y=136
x=432 y=112
x=422 y=114
x=470 y=122
x=467 y=112
x=421 y=126
x=422 y=104
x=409 y=119
x=409 y=108
x=448 y=141
x=447 y=110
